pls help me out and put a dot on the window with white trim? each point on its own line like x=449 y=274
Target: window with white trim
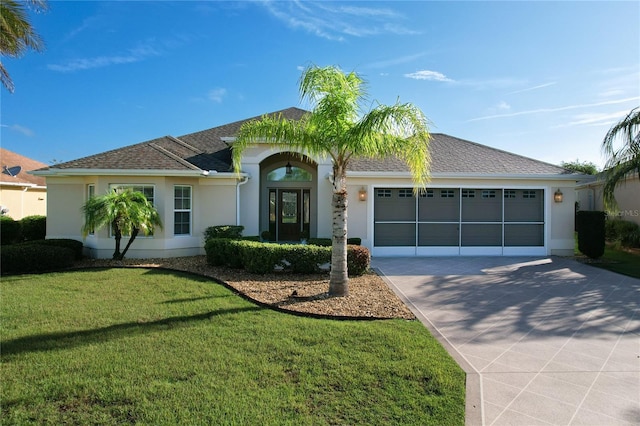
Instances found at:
x=147 y=190
x=181 y=210
x=91 y=192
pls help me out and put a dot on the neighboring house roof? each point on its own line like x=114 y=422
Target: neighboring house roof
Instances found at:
x=208 y=150
x=9 y=174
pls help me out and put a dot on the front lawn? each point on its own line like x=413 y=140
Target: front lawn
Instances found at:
x=144 y=346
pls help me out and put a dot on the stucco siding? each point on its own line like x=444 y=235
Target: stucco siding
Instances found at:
x=23 y=201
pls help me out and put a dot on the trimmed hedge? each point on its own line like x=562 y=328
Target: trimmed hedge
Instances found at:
x=591 y=233
x=223 y=231
x=326 y=242
x=34 y=227
x=10 y=230
x=263 y=258
x=21 y=258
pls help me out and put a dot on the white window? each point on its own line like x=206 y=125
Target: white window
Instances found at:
x=147 y=190
x=181 y=210
x=91 y=192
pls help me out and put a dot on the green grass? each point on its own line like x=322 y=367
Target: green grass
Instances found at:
x=136 y=346
x=616 y=259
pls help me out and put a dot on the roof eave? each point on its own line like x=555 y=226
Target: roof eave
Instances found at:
x=53 y=172
x=511 y=176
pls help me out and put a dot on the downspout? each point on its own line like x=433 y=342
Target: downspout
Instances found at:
x=238 y=184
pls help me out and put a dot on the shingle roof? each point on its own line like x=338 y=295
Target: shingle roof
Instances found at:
x=10 y=159
x=207 y=150
x=451 y=155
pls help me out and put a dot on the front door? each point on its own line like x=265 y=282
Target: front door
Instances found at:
x=289 y=212
x=289 y=223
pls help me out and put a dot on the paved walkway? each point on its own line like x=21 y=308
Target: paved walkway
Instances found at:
x=543 y=340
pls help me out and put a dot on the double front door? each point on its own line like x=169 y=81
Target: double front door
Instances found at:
x=289 y=214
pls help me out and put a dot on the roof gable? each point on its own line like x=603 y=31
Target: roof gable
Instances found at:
x=10 y=159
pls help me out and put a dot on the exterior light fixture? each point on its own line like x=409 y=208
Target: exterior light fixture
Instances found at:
x=362 y=194
x=288 y=168
x=557 y=196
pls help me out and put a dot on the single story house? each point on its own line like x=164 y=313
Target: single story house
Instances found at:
x=480 y=200
x=21 y=194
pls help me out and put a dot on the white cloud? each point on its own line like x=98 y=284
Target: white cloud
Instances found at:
x=136 y=54
x=396 y=61
x=20 y=129
x=428 y=75
x=556 y=109
x=503 y=106
x=528 y=89
x=216 y=95
x=332 y=22
x=596 y=119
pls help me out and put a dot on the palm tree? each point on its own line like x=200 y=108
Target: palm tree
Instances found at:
x=624 y=159
x=16 y=33
x=128 y=212
x=336 y=128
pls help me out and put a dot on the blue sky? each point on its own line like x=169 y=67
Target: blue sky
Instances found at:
x=541 y=79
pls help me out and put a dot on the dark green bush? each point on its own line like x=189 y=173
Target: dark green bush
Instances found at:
x=74 y=245
x=27 y=258
x=10 y=230
x=34 y=227
x=224 y=252
x=261 y=258
x=223 y=231
x=622 y=232
x=358 y=260
x=355 y=241
x=591 y=233
x=306 y=259
x=323 y=242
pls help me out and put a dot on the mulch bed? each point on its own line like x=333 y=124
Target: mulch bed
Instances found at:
x=369 y=296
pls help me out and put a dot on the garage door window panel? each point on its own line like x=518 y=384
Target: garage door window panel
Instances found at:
x=438 y=208
x=395 y=234
x=395 y=205
x=438 y=234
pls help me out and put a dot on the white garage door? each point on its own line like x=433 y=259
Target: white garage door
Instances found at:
x=454 y=221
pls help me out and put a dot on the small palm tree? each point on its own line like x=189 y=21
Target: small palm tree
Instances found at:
x=337 y=129
x=16 y=33
x=624 y=159
x=128 y=212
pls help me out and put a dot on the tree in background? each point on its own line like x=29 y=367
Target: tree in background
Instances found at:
x=621 y=146
x=16 y=33
x=585 y=167
x=337 y=128
x=128 y=212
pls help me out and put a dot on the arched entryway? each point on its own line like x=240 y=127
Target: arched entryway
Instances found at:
x=288 y=190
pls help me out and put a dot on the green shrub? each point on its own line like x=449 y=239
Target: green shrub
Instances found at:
x=323 y=242
x=358 y=260
x=224 y=252
x=28 y=258
x=74 y=245
x=622 y=232
x=223 y=231
x=355 y=241
x=10 y=230
x=261 y=258
x=34 y=227
x=591 y=233
x=306 y=259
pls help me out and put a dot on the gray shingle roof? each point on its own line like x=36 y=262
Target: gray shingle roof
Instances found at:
x=451 y=155
x=206 y=150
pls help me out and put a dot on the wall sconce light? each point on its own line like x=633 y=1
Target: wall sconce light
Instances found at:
x=557 y=196
x=288 y=168
x=362 y=194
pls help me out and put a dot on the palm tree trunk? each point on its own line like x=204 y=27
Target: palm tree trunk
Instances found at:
x=338 y=277
x=134 y=234
x=118 y=237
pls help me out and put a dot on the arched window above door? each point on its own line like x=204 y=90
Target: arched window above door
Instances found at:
x=289 y=173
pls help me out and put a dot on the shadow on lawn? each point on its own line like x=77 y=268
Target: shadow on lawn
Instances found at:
x=65 y=340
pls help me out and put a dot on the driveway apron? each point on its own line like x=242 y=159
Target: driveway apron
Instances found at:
x=542 y=340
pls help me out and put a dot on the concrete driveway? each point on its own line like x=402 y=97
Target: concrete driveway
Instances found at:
x=543 y=340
